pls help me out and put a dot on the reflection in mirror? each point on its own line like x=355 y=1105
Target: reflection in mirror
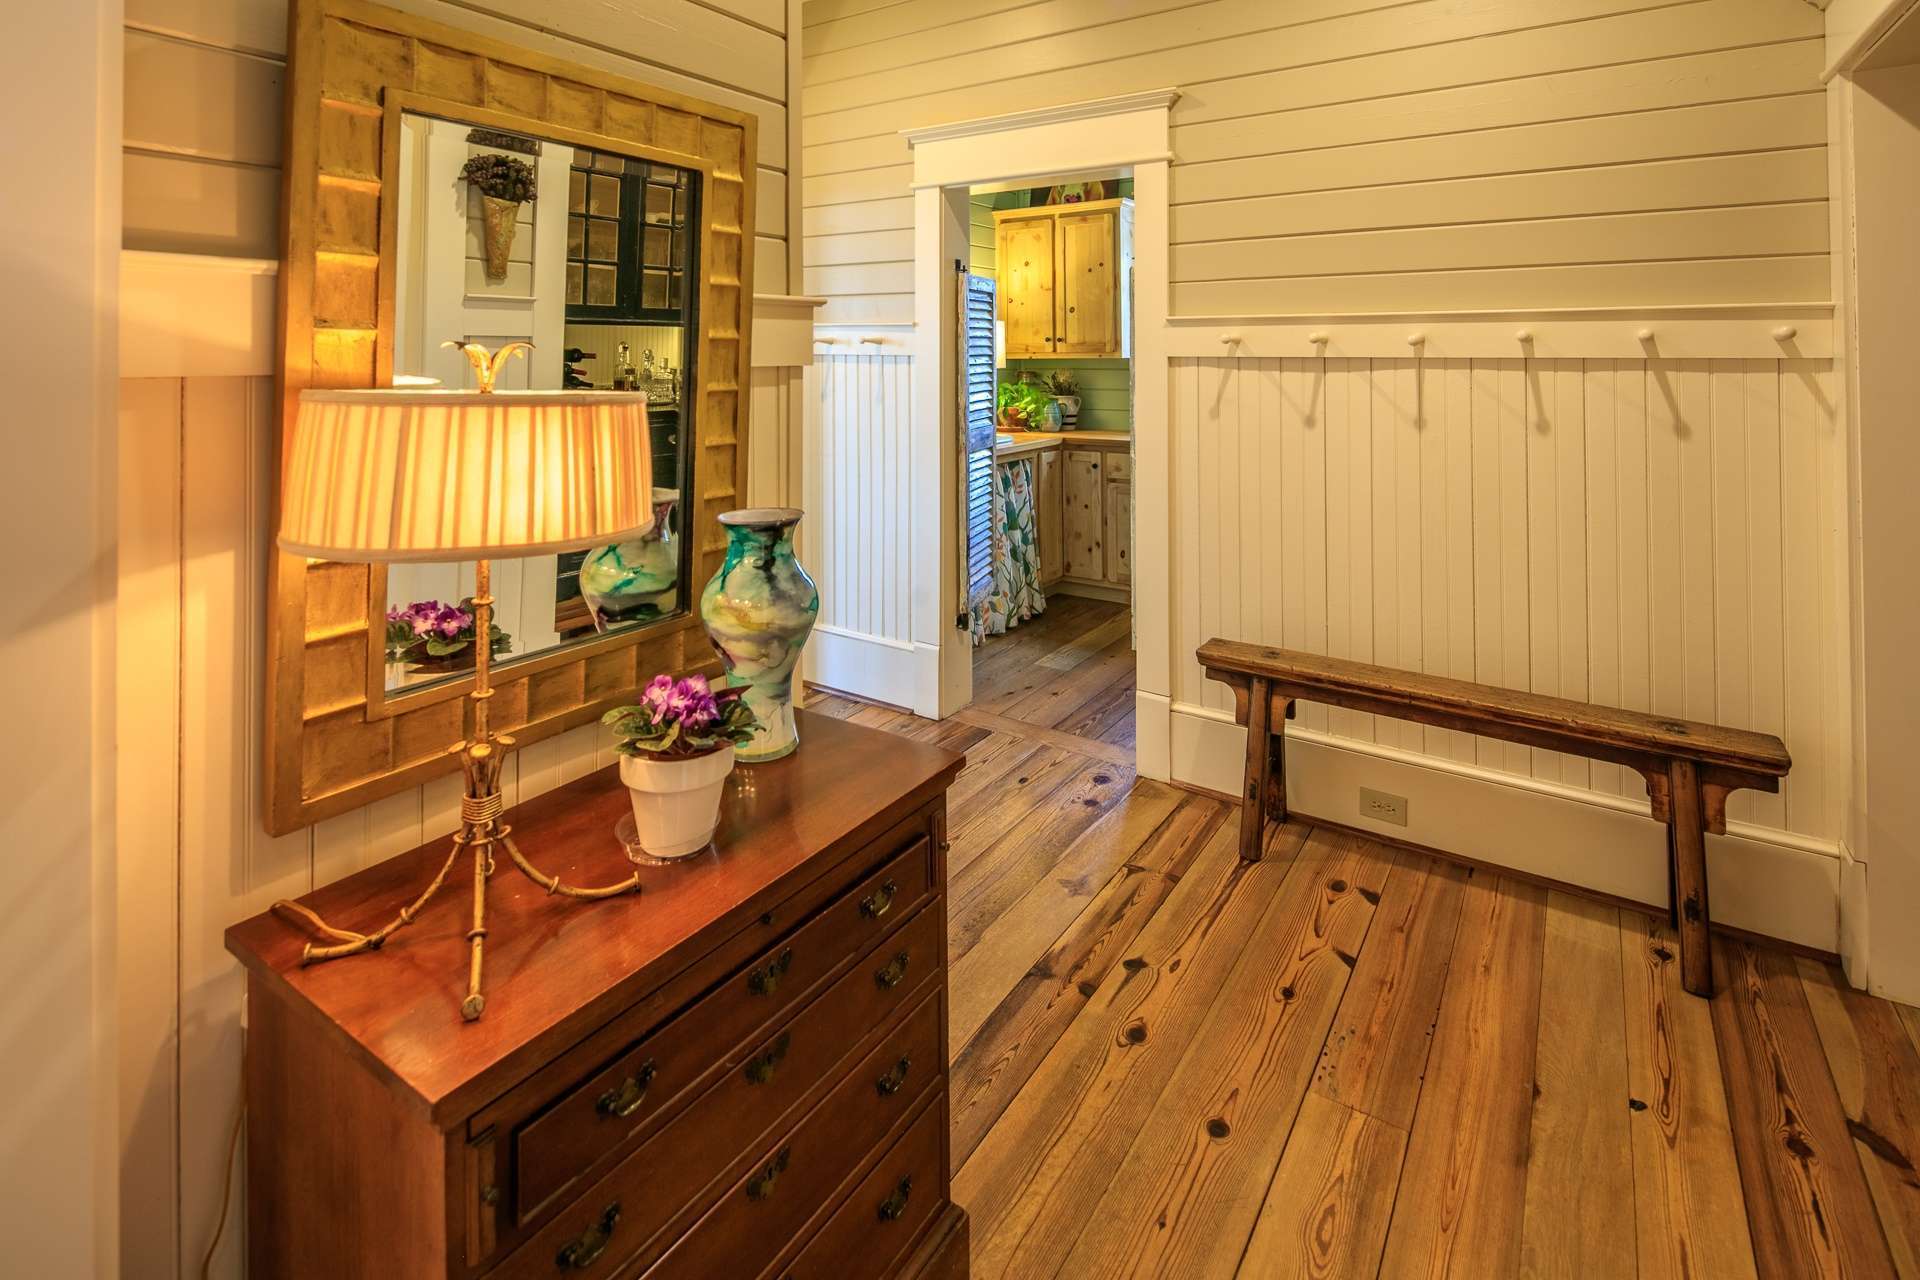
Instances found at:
x=590 y=256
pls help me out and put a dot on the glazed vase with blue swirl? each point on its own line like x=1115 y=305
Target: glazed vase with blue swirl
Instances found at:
x=638 y=580
x=758 y=610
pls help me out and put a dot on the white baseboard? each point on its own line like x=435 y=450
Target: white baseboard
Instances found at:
x=1853 y=920
x=869 y=666
x=1770 y=882
x=1153 y=737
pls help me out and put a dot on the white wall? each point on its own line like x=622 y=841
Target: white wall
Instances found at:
x=1665 y=536
x=1654 y=523
x=1365 y=155
x=202 y=150
x=1877 y=115
x=61 y=74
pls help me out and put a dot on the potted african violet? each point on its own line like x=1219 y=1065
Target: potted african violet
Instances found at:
x=676 y=750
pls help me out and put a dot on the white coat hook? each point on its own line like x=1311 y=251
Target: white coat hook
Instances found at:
x=1645 y=335
x=1523 y=336
x=1785 y=333
x=1230 y=339
x=1416 y=340
x=1318 y=337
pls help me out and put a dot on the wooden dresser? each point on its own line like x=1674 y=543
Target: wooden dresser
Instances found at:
x=739 y=1073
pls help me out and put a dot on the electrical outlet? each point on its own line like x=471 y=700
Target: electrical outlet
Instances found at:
x=1382 y=807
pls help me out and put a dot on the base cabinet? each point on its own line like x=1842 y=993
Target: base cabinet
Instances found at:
x=1049 y=515
x=1096 y=519
x=1082 y=514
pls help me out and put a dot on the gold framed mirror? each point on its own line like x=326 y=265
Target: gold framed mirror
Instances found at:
x=639 y=217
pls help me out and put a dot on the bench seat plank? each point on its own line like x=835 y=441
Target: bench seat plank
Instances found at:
x=1580 y=728
x=1689 y=766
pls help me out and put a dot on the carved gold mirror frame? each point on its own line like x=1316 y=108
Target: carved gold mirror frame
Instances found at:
x=335 y=738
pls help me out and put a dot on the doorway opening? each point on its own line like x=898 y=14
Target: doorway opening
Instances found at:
x=1046 y=402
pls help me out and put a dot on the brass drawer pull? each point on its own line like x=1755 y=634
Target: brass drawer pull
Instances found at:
x=760 y=1185
x=891 y=976
x=760 y=1069
x=618 y=1104
x=584 y=1252
x=894 y=1207
x=765 y=980
x=879 y=902
x=896 y=1079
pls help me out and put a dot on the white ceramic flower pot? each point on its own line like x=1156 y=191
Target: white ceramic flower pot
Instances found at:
x=676 y=803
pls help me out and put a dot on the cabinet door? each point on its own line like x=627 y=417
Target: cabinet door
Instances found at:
x=1025 y=267
x=1089 y=284
x=1080 y=484
x=1048 y=515
x=1119 y=532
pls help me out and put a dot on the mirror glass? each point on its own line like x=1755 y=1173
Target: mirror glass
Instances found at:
x=590 y=256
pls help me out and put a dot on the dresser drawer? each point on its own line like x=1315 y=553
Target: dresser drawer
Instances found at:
x=761 y=1087
x=790 y=1180
x=886 y=1212
x=621 y=1100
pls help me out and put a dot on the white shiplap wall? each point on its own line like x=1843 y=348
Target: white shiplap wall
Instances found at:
x=203 y=166
x=203 y=137
x=1340 y=156
x=1661 y=535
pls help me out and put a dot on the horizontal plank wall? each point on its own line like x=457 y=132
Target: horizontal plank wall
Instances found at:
x=1365 y=155
x=203 y=79
x=1659 y=535
x=203 y=167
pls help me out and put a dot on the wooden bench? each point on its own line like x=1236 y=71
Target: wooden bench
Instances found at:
x=1689 y=767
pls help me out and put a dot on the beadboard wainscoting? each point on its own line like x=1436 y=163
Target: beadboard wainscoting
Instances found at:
x=859 y=407
x=1665 y=535
x=195 y=480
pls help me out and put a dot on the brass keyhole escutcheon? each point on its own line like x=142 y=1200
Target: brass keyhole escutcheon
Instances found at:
x=765 y=980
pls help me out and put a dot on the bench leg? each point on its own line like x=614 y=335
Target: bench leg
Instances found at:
x=1687 y=869
x=1256 y=789
x=1277 y=767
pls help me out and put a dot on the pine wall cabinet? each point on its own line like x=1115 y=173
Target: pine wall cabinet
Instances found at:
x=1066 y=274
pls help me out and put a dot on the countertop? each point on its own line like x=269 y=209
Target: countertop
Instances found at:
x=1025 y=442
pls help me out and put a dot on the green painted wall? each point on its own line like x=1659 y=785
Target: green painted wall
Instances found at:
x=1106 y=390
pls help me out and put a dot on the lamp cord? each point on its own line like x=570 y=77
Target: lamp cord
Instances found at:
x=233 y=1151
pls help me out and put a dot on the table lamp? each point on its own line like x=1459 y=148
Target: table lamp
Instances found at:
x=415 y=474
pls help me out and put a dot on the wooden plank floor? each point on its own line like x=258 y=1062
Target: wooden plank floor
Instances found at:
x=1356 y=1060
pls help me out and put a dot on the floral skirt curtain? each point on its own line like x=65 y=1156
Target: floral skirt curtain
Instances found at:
x=1015 y=594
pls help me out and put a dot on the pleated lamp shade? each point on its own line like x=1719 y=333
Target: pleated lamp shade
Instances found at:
x=458 y=475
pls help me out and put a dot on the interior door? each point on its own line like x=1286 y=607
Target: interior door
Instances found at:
x=1026 y=264
x=1089 y=301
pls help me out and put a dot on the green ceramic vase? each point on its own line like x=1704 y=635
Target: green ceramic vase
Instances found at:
x=636 y=579
x=758 y=610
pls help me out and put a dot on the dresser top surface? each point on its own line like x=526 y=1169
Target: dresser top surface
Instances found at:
x=555 y=967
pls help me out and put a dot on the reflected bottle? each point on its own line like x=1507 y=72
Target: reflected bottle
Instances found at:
x=758 y=610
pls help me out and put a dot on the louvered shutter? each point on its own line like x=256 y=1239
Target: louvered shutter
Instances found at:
x=977 y=407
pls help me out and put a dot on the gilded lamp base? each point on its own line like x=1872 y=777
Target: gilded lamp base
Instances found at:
x=480 y=831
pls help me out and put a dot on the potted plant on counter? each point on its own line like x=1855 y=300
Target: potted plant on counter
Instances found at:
x=1026 y=405
x=676 y=750
x=1065 y=389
